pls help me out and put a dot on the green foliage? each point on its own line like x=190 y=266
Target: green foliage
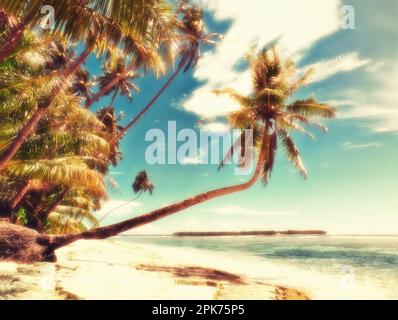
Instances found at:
x=22 y=216
x=64 y=161
x=69 y=150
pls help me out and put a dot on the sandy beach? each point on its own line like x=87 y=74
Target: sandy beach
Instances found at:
x=115 y=270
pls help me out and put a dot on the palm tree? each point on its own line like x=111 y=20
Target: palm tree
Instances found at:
x=141 y=184
x=126 y=25
x=82 y=84
x=267 y=113
x=272 y=86
x=137 y=30
x=192 y=36
x=11 y=35
x=109 y=131
x=118 y=79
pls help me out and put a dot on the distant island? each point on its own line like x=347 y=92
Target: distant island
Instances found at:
x=249 y=233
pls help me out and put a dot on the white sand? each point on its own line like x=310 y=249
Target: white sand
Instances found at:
x=116 y=270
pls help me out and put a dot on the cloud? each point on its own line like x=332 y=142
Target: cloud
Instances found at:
x=195 y=159
x=376 y=66
x=117 y=208
x=216 y=127
x=299 y=23
x=379 y=107
x=327 y=68
x=236 y=210
x=191 y=160
x=341 y=103
x=350 y=146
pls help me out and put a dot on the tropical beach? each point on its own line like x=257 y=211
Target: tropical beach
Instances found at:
x=116 y=268
x=198 y=150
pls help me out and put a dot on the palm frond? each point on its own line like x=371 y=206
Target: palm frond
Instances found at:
x=68 y=171
x=311 y=108
x=240 y=99
x=292 y=152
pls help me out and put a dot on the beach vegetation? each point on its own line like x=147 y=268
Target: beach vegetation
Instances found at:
x=55 y=153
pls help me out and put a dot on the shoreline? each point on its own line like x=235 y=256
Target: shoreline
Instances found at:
x=113 y=269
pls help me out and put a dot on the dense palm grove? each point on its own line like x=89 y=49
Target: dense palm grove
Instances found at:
x=55 y=152
x=56 y=178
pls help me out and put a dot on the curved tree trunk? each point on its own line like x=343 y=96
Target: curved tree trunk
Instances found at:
x=115 y=229
x=25 y=245
x=41 y=110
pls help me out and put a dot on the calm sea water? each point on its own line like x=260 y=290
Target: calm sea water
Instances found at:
x=372 y=260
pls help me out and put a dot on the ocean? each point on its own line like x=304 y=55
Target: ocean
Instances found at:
x=329 y=267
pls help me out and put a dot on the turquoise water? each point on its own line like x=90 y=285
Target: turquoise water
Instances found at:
x=372 y=259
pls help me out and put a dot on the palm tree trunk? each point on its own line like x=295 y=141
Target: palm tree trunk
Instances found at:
x=20 y=195
x=41 y=110
x=34 y=221
x=115 y=229
x=149 y=105
x=12 y=42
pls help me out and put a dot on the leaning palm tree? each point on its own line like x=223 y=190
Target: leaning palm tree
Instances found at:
x=141 y=184
x=266 y=111
x=138 y=30
x=192 y=36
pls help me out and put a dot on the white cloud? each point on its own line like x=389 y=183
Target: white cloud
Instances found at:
x=118 y=207
x=379 y=106
x=326 y=68
x=216 y=127
x=191 y=160
x=195 y=159
x=376 y=66
x=351 y=146
x=236 y=210
x=341 y=103
x=299 y=23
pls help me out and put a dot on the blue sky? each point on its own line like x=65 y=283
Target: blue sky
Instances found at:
x=353 y=171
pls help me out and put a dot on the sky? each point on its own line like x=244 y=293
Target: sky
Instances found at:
x=352 y=170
